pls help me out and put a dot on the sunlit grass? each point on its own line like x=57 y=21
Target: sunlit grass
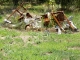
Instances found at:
x=49 y=47
x=39 y=46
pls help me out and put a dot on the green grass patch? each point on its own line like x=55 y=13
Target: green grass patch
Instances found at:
x=39 y=46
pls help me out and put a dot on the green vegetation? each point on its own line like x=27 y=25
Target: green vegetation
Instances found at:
x=31 y=45
x=37 y=46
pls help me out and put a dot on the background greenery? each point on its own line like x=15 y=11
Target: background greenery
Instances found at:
x=33 y=45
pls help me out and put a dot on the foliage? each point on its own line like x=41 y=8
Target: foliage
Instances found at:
x=29 y=45
x=14 y=44
x=68 y=3
x=15 y=2
x=77 y=2
x=65 y=4
x=40 y=47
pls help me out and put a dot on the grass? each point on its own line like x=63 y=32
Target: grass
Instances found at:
x=16 y=45
x=40 y=47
